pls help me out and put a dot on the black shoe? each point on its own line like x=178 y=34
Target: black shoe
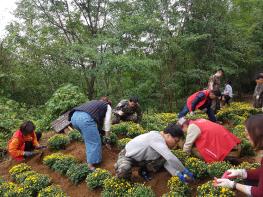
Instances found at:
x=145 y=175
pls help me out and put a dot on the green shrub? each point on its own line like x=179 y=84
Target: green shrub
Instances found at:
x=49 y=160
x=208 y=189
x=77 y=173
x=62 y=166
x=217 y=169
x=140 y=190
x=22 y=176
x=112 y=139
x=9 y=189
x=181 y=155
x=130 y=129
x=157 y=121
x=248 y=166
x=51 y=191
x=58 y=141
x=119 y=129
x=197 y=167
x=115 y=187
x=75 y=135
x=96 y=178
x=178 y=187
x=1 y=180
x=17 y=169
x=122 y=142
x=36 y=182
x=198 y=115
x=246 y=148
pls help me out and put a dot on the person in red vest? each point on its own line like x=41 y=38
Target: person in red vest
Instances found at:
x=201 y=100
x=254 y=131
x=212 y=141
x=24 y=141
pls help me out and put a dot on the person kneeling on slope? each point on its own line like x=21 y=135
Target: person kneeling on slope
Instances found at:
x=24 y=141
x=151 y=152
x=201 y=100
x=212 y=141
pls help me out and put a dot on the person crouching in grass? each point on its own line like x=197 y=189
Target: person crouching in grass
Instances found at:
x=151 y=151
x=254 y=129
x=24 y=141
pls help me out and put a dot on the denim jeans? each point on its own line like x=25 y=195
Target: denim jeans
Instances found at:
x=83 y=122
x=209 y=111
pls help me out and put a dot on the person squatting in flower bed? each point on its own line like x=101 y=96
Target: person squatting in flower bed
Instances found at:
x=89 y=118
x=151 y=151
x=24 y=141
x=212 y=141
x=254 y=129
x=201 y=100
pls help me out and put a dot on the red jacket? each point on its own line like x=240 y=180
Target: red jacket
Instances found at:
x=257 y=175
x=16 y=144
x=215 y=141
x=192 y=98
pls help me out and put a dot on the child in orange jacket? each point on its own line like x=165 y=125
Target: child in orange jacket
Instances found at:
x=24 y=141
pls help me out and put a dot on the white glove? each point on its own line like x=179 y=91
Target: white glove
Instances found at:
x=257 y=97
x=120 y=112
x=237 y=173
x=192 y=113
x=225 y=183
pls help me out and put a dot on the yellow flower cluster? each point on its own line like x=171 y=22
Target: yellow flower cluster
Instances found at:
x=115 y=187
x=134 y=129
x=36 y=182
x=17 y=169
x=58 y=141
x=208 y=189
x=175 y=185
x=248 y=166
x=51 y=191
x=196 y=166
x=96 y=178
x=49 y=160
x=122 y=142
x=181 y=155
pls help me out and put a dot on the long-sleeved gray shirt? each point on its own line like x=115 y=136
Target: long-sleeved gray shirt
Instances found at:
x=151 y=146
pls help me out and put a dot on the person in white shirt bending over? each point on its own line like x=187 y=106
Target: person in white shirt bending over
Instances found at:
x=228 y=93
x=151 y=151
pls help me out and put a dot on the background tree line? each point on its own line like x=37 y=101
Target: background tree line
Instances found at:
x=160 y=50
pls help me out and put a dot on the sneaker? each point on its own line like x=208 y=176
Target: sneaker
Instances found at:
x=145 y=175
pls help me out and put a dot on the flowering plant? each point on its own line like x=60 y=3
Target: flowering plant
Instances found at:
x=208 y=189
x=22 y=176
x=78 y=172
x=96 y=178
x=19 y=168
x=51 y=191
x=217 y=169
x=239 y=131
x=197 y=115
x=177 y=186
x=246 y=148
x=119 y=129
x=114 y=187
x=196 y=166
x=134 y=129
x=248 y=166
x=181 y=155
x=140 y=190
x=49 y=160
x=58 y=141
x=158 y=121
x=122 y=142
x=11 y=189
x=61 y=166
x=75 y=136
x=112 y=139
x=36 y=182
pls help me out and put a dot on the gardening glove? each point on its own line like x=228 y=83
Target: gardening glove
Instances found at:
x=188 y=173
x=257 y=97
x=29 y=154
x=182 y=177
x=192 y=113
x=236 y=173
x=225 y=183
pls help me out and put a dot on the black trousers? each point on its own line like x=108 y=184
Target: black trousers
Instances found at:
x=29 y=144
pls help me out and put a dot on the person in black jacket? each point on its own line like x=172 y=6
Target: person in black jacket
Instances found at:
x=89 y=119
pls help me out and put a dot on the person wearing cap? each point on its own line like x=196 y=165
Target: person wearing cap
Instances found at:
x=212 y=141
x=214 y=83
x=151 y=151
x=90 y=118
x=24 y=141
x=201 y=100
x=127 y=110
x=258 y=92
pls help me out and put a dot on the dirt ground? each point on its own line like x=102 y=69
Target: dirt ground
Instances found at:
x=77 y=149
